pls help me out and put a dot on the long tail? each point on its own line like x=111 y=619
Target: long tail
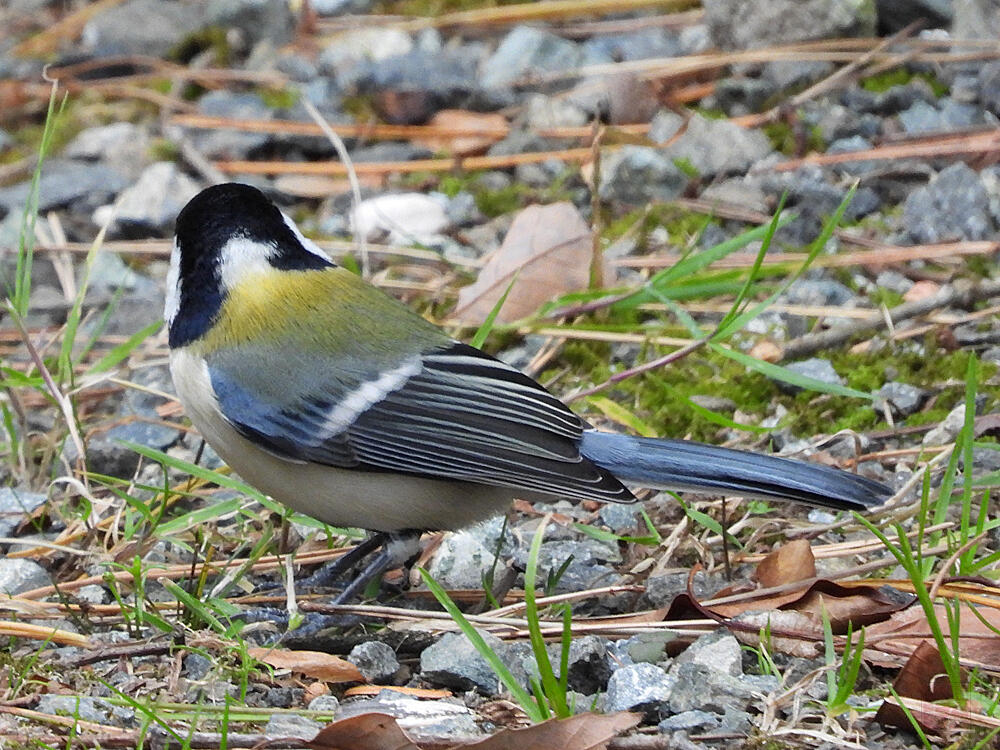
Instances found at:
x=683 y=465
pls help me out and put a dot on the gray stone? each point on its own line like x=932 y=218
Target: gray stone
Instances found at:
x=589 y=664
x=344 y=55
x=904 y=399
x=694 y=39
x=738 y=191
x=92 y=593
x=541 y=112
x=814 y=199
x=147 y=27
x=340 y=7
x=743 y=24
x=947 y=115
x=849 y=144
x=662 y=589
x=712 y=147
x=640 y=687
x=689 y=720
x=699 y=687
x=123 y=145
x=948 y=430
x=424 y=81
x=525 y=52
x=835 y=121
x=621 y=518
x=636 y=175
x=894 y=281
x=786 y=74
x=718 y=650
x=150 y=206
x=953 y=206
x=15 y=504
x=819 y=292
x=197 y=666
x=454 y=662
x=815 y=368
x=421 y=720
x=636 y=45
x=891 y=101
x=324 y=703
x=256 y=19
x=65 y=182
x=465 y=557
x=462 y=211
x=586 y=563
x=976 y=19
x=226 y=143
x=894 y=15
x=739 y=96
x=86 y=708
x=376 y=660
x=989 y=86
x=18 y=575
x=291 y=725
x=644 y=648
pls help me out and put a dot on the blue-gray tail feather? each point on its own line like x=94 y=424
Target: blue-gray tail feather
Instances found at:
x=683 y=465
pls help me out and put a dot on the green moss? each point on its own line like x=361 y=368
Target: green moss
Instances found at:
x=882 y=82
x=162 y=149
x=65 y=128
x=212 y=38
x=787 y=140
x=432 y=8
x=660 y=397
x=278 y=98
x=360 y=107
x=887 y=297
x=687 y=168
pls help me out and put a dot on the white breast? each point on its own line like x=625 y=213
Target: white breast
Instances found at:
x=381 y=501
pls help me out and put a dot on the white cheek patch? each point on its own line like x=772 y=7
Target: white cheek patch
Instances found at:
x=173 y=300
x=356 y=402
x=307 y=243
x=241 y=257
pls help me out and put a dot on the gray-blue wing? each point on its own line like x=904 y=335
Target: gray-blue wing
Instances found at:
x=450 y=413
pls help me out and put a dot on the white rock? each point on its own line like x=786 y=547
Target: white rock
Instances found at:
x=405 y=217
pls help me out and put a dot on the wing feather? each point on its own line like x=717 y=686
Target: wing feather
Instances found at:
x=459 y=414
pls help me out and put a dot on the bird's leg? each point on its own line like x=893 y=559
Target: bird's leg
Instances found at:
x=336 y=569
x=394 y=549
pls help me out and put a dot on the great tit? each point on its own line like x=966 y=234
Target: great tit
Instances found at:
x=342 y=403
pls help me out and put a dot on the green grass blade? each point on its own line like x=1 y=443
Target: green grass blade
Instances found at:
x=123 y=350
x=484 y=330
x=777 y=372
x=521 y=695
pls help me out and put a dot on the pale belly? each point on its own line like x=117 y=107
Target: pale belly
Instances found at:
x=340 y=497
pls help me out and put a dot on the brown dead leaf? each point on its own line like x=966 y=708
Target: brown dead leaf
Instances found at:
x=859 y=605
x=580 y=732
x=314 y=664
x=790 y=562
x=805 y=641
x=472 y=132
x=891 y=643
x=921 y=290
x=548 y=249
x=363 y=732
x=767 y=351
x=923 y=678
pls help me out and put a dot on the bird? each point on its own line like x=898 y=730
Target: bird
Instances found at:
x=342 y=403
